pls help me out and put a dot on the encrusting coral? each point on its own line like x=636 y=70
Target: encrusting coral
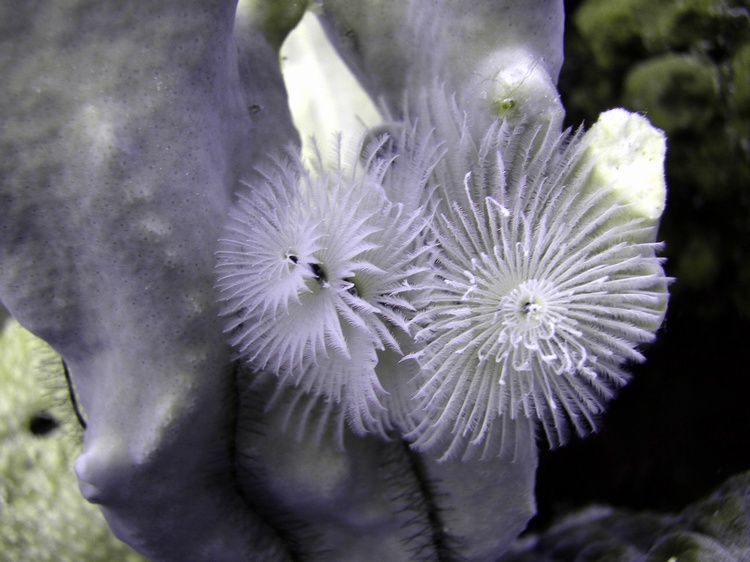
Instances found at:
x=124 y=178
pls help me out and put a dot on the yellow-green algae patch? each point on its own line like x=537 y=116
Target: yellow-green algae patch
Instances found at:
x=43 y=516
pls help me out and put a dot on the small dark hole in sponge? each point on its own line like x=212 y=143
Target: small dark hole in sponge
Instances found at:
x=42 y=424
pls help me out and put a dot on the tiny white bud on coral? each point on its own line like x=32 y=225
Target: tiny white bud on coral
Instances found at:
x=513 y=85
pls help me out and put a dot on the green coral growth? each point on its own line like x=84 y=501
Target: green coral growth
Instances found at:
x=678 y=91
x=42 y=514
x=614 y=29
x=716 y=529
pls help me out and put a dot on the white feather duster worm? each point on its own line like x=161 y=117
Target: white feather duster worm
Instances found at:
x=547 y=281
x=315 y=278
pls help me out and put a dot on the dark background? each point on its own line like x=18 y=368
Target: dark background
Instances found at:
x=682 y=426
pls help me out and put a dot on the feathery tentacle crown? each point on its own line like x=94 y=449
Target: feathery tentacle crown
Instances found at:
x=548 y=280
x=522 y=277
x=316 y=275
